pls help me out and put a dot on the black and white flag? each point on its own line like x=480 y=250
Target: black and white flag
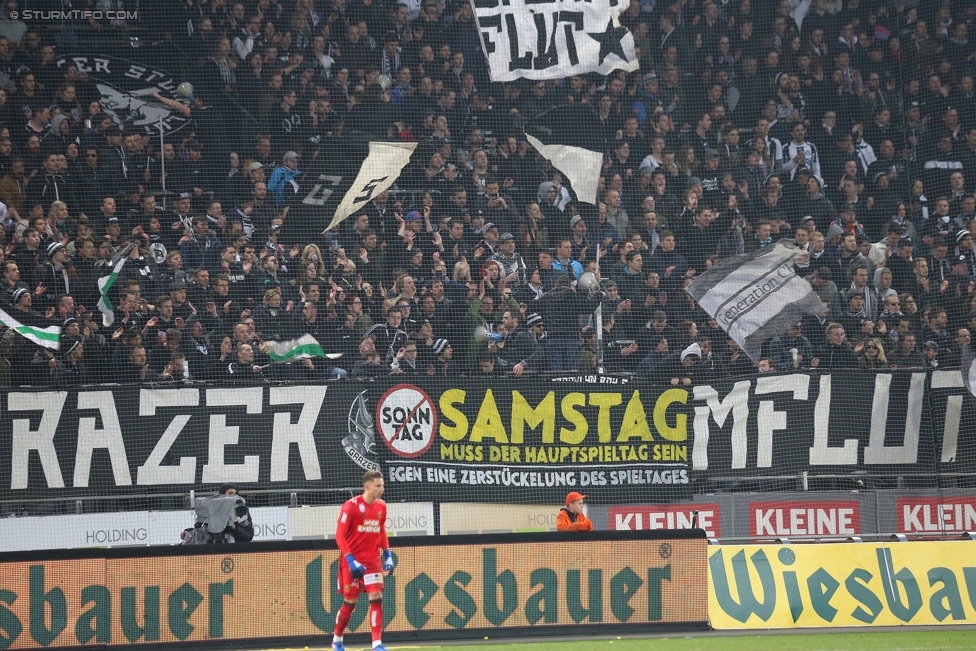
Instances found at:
x=375 y=169
x=756 y=296
x=561 y=135
x=552 y=39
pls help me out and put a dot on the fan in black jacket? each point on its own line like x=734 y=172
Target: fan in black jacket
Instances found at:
x=522 y=351
x=388 y=337
x=838 y=353
x=678 y=368
x=53 y=274
x=701 y=240
x=672 y=267
x=49 y=187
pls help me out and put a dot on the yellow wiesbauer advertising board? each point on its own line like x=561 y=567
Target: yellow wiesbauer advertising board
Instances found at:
x=290 y=593
x=851 y=584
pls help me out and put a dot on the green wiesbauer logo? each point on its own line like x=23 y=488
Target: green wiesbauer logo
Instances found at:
x=899 y=589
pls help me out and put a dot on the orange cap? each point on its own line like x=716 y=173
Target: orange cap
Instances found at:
x=572 y=497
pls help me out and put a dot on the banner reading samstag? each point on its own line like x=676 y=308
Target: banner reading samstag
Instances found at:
x=548 y=438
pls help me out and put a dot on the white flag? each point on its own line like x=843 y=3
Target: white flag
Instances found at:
x=567 y=136
x=756 y=296
x=105 y=284
x=379 y=171
x=552 y=39
x=49 y=337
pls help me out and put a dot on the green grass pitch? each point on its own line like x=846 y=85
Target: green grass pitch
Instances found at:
x=932 y=639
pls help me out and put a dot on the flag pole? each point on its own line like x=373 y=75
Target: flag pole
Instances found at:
x=598 y=314
x=162 y=160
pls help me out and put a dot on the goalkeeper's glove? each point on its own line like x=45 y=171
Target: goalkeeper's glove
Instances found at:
x=356 y=569
x=388 y=562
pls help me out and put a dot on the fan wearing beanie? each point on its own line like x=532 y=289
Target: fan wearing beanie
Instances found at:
x=571 y=516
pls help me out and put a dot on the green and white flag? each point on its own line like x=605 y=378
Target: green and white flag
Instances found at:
x=105 y=284
x=304 y=347
x=49 y=337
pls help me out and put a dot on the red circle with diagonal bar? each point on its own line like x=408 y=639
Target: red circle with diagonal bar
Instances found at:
x=407 y=420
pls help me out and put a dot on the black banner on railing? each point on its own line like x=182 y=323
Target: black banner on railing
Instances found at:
x=116 y=440
x=825 y=424
x=507 y=440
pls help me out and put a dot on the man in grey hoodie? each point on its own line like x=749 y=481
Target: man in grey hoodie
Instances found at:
x=827 y=290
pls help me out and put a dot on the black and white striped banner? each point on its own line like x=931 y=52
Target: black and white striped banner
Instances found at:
x=756 y=296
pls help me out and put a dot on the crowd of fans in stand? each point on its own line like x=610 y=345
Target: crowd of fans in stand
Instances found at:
x=846 y=126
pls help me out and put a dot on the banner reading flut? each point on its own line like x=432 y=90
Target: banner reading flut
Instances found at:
x=547 y=39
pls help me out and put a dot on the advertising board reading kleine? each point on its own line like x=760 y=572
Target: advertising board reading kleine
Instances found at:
x=705 y=516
